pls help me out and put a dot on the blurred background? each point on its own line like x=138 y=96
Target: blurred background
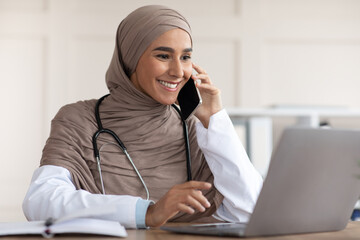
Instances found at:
x=277 y=62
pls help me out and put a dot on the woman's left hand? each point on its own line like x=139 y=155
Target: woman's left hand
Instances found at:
x=211 y=100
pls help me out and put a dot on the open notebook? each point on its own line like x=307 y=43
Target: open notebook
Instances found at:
x=84 y=221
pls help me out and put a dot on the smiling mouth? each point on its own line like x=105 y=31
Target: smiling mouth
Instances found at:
x=168 y=85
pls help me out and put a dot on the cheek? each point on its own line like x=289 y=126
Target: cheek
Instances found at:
x=188 y=70
x=154 y=66
x=149 y=69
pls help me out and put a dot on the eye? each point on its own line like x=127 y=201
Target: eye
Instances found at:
x=163 y=56
x=186 y=57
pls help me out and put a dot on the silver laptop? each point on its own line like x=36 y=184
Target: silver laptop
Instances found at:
x=312 y=185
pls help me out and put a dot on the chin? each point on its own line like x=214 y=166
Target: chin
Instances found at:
x=167 y=101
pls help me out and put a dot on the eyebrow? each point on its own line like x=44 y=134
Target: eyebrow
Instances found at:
x=168 y=49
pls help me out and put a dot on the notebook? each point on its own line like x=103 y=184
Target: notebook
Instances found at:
x=312 y=185
x=83 y=221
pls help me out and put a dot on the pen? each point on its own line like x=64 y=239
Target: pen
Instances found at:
x=49 y=222
x=47 y=233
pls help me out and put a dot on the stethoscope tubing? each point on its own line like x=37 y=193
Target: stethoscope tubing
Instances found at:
x=187 y=145
x=123 y=148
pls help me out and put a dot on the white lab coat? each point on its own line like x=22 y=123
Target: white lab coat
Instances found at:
x=53 y=194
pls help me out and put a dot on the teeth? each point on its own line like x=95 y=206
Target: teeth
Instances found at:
x=169 y=85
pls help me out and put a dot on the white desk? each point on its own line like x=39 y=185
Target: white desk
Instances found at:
x=257 y=123
x=306 y=116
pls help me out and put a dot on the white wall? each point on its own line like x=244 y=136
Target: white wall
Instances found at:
x=259 y=52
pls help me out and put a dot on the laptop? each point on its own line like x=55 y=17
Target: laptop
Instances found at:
x=312 y=185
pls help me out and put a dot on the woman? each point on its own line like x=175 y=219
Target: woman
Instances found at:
x=151 y=63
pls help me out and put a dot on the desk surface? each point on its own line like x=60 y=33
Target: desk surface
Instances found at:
x=352 y=231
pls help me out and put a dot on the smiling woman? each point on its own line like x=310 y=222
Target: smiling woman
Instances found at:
x=150 y=65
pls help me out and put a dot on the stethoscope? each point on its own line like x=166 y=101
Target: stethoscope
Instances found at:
x=121 y=145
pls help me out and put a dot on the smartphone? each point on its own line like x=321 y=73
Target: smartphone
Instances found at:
x=189 y=99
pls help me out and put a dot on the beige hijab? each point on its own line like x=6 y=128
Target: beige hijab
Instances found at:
x=152 y=132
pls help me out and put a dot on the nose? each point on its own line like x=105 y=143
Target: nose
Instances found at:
x=176 y=69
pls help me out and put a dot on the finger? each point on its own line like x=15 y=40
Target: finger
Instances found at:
x=204 y=78
x=195 y=185
x=185 y=208
x=196 y=80
x=211 y=89
x=198 y=68
x=194 y=203
x=199 y=197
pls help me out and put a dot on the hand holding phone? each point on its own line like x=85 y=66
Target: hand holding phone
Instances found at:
x=189 y=99
x=210 y=94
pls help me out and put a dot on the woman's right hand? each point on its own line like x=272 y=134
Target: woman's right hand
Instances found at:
x=186 y=197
